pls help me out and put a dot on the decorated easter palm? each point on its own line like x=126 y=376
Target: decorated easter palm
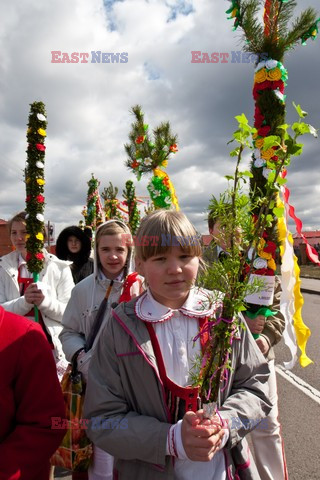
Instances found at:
x=151 y=155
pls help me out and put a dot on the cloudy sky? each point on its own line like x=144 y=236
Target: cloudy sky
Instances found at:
x=88 y=104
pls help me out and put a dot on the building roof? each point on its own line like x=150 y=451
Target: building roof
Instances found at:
x=309 y=234
x=3 y=222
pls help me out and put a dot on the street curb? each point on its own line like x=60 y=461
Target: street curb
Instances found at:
x=307 y=290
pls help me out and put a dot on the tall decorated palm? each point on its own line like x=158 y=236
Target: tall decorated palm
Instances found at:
x=148 y=154
x=93 y=212
x=112 y=208
x=270 y=40
x=34 y=180
x=129 y=194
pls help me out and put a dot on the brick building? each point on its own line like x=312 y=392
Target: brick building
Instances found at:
x=5 y=243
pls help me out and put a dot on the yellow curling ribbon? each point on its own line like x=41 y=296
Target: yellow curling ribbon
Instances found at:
x=302 y=331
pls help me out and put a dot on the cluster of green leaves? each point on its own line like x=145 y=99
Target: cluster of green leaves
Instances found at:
x=147 y=152
x=129 y=194
x=284 y=34
x=34 y=180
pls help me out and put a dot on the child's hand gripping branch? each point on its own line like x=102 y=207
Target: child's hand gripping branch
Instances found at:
x=256 y=326
x=201 y=437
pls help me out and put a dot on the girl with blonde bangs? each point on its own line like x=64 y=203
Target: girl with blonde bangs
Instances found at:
x=163 y=229
x=142 y=406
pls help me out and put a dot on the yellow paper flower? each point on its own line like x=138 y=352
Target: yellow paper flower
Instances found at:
x=267 y=154
x=29 y=130
x=27 y=236
x=274 y=74
x=28 y=180
x=164 y=163
x=42 y=132
x=272 y=264
x=261 y=76
x=40 y=181
x=259 y=142
x=39 y=236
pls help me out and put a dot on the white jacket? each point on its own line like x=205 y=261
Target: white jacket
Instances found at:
x=82 y=308
x=56 y=274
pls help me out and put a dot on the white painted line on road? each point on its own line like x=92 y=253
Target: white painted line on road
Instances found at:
x=299 y=383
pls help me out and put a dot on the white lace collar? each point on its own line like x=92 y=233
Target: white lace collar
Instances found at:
x=197 y=305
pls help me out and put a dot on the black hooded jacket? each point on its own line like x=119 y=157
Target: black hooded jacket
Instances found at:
x=82 y=265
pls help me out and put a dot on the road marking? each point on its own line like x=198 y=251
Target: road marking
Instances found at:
x=299 y=383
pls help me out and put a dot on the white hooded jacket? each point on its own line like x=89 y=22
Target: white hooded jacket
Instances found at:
x=83 y=306
x=56 y=274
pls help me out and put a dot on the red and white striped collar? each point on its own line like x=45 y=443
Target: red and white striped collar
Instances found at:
x=199 y=304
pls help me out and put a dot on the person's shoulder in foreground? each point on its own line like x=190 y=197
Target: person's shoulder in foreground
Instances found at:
x=30 y=398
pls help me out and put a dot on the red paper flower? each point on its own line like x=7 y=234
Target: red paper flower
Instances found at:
x=140 y=139
x=40 y=198
x=134 y=164
x=39 y=256
x=173 y=148
x=263 y=131
x=28 y=198
x=258 y=118
x=28 y=256
x=40 y=147
x=271 y=247
x=264 y=271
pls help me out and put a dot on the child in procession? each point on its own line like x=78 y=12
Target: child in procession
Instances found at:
x=19 y=293
x=74 y=245
x=113 y=273
x=142 y=407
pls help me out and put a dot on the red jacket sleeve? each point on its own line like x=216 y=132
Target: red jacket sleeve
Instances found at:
x=25 y=452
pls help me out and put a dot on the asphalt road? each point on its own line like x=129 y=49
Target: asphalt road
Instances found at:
x=299 y=398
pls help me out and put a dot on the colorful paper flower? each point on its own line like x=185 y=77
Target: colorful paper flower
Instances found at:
x=271 y=64
x=42 y=132
x=173 y=148
x=274 y=74
x=39 y=256
x=40 y=236
x=267 y=154
x=40 y=147
x=261 y=76
x=40 y=181
x=140 y=139
x=41 y=117
x=40 y=198
x=259 y=142
x=264 y=131
x=259 y=162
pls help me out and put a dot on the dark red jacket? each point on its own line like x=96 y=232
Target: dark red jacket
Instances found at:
x=30 y=395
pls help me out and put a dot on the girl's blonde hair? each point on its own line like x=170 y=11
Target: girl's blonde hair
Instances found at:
x=19 y=217
x=163 y=229
x=116 y=227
